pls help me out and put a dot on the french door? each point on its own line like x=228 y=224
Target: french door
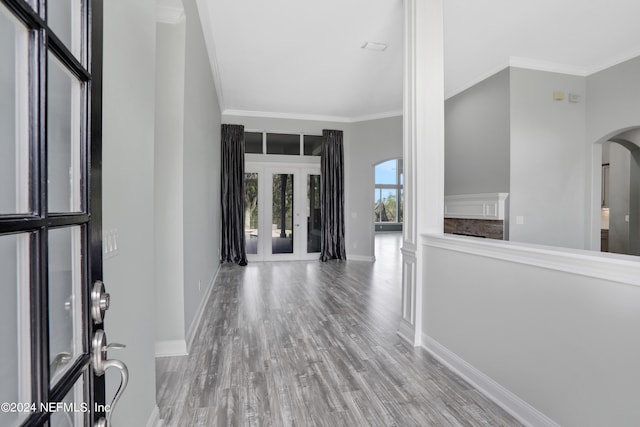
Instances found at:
x=53 y=349
x=282 y=212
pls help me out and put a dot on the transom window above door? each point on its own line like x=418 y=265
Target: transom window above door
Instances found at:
x=279 y=143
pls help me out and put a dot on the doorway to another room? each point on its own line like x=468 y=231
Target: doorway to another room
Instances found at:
x=282 y=212
x=282 y=196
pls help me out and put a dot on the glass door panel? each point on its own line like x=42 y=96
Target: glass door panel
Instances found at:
x=73 y=409
x=65 y=18
x=14 y=115
x=15 y=381
x=65 y=297
x=313 y=214
x=64 y=131
x=282 y=214
x=251 y=206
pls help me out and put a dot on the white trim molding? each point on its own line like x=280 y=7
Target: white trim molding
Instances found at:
x=423 y=146
x=169 y=11
x=171 y=348
x=154 y=419
x=197 y=319
x=476 y=206
x=514 y=405
x=377 y=116
x=363 y=258
x=311 y=117
x=606 y=266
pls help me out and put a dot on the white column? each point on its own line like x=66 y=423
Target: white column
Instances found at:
x=423 y=150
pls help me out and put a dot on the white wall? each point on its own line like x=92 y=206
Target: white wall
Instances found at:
x=371 y=142
x=201 y=182
x=563 y=341
x=477 y=138
x=128 y=157
x=168 y=182
x=614 y=100
x=548 y=159
x=614 y=105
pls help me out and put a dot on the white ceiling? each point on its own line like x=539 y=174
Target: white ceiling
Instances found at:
x=303 y=58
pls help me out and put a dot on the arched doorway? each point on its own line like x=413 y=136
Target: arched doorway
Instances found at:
x=620 y=192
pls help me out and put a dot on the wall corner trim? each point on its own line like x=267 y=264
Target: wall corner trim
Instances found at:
x=514 y=405
x=154 y=418
x=171 y=348
x=197 y=319
x=169 y=12
x=406 y=332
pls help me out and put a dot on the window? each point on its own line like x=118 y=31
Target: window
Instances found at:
x=281 y=143
x=388 y=195
x=253 y=142
x=312 y=145
x=288 y=144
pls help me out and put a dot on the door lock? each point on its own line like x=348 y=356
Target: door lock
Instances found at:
x=100 y=301
x=100 y=366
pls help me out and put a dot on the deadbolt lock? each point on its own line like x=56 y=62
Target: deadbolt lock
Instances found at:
x=100 y=301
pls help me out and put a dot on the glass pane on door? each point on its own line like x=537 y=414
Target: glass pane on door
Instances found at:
x=14 y=326
x=251 y=233
x=63 y=137
x=73 y=409
x=313 y=213
x=65 y=299
x=282 y=214
x=14 y=115
x=65 y=19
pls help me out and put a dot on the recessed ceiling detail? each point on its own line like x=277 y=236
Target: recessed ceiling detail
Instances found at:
x=304 y=59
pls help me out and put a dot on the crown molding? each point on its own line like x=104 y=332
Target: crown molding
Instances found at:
x=551 y=67
x=613 y=62
x=312 y=117
x=169 y=11
x=377 y=116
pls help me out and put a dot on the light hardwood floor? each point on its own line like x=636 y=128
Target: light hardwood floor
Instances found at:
x=313 y=344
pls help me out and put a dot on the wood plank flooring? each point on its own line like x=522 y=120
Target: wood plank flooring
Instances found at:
x=313 y=344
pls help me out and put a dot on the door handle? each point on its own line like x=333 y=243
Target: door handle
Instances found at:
x=100 y=366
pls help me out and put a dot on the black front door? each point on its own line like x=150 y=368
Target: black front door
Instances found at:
x=50 y=211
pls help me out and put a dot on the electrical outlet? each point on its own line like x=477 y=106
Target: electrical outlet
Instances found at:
x=199 y=285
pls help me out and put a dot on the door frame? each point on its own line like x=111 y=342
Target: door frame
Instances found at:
x=266 y=171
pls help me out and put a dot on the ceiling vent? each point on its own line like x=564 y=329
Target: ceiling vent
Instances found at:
x=378 y=47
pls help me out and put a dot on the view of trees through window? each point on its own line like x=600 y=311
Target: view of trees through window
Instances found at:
x=388 y=192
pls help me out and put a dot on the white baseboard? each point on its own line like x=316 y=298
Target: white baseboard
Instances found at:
x=518 y=408
x=361 y=258
x=406 y=332
x=154 y=419
x=191 y=333
x=171 y=348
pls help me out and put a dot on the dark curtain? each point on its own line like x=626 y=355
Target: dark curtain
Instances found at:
x=232 y=182
x=332 y=244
